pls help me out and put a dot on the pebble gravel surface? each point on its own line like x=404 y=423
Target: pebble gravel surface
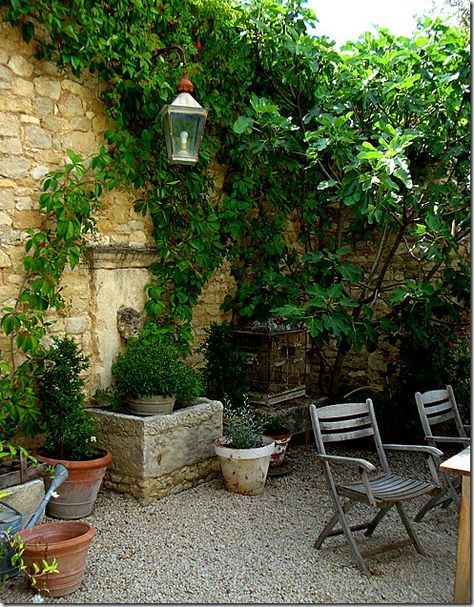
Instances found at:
x=209 y=546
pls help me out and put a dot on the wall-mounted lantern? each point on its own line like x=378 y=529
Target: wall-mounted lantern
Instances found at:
x=183 y=121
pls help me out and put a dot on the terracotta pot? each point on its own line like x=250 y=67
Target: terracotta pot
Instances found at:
x=281 y=443
x=65 y=542
x=78 y=493
x=151 y=405
x=244 y=470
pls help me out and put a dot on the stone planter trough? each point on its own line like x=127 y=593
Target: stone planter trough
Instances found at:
x=158 y=455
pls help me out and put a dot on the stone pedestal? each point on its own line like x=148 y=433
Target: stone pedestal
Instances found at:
x=294 y=414
x=159 y=455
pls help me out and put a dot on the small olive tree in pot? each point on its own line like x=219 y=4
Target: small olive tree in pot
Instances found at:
x=152 y=373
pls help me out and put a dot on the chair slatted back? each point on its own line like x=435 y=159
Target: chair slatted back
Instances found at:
x=436 y=407
x=344 y=422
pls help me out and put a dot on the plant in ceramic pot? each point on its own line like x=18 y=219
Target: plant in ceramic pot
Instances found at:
x=152 y=373
x=280 y=433
x=243 y=451
x=69 y=431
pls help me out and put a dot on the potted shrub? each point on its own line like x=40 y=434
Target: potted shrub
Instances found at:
x=244 y=452
x=69 y=430
x=152 y=374
x=275 y=428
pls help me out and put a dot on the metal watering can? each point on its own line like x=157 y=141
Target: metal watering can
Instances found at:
x=11 y=520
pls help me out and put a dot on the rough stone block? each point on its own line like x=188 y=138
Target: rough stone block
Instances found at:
x=5 y=78
x=9 y=125
x=161 y=454
x=14 y=168
x=47 y=87
x=23 y=87
x=37 y=137
x=26 y=497
x=71 y=106
x=11 y=145
x=20 y=66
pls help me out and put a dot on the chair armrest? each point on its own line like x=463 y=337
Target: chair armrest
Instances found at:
x=363 y=465
x=355 y=461
x=434 y=451
x=433 y=456
x=450 y=439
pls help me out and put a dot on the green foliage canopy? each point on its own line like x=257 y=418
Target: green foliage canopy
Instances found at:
x=336 y=164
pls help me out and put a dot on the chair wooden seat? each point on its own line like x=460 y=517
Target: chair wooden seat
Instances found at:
x=388 y=488
x=382 y=490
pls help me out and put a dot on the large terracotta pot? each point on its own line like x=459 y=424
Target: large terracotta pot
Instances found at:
x=244 y=470
x=67 y=543
x=78 y=493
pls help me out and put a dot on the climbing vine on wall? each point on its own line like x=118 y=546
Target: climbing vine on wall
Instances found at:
x=68 y=202
x=336 y=164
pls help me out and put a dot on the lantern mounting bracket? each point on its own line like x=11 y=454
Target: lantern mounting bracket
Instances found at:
x=169 y=50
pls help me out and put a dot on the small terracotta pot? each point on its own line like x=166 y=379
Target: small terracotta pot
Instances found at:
x=281 y=443
x=67 y=543
x=78 y=493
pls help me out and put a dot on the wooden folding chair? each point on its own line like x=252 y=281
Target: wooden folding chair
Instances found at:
x=438 y=408
x=342 y=422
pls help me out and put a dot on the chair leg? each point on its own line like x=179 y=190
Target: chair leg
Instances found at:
x=347 y=507
x=411 y=532
x=435 y=500
x=346 y=529
x=376 y=520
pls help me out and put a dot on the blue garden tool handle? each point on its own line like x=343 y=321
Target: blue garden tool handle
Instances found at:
x=60 y=475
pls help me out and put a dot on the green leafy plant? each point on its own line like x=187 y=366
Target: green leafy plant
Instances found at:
x=224 y=372
x=274 y=426
x=69 y=430
x=154 y=364
x=69 y=199
x=242 y=427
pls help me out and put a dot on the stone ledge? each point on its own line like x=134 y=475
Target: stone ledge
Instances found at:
x=294 y=413
x=115 y=257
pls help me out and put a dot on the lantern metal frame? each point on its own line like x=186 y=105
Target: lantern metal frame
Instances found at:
x=183 y=119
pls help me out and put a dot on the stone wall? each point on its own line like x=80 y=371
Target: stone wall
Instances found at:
x=42 y=114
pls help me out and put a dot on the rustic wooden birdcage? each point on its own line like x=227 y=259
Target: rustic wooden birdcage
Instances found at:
x=276 y=358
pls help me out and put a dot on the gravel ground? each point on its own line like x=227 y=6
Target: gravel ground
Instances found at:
x=207 y=545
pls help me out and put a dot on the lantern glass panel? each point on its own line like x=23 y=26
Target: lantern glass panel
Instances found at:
x=183 y=128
